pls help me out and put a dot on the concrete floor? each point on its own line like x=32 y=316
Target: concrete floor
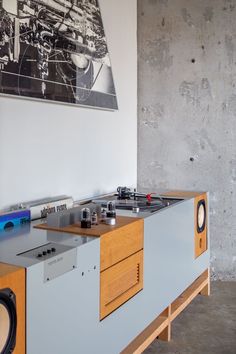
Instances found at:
x=207 y=326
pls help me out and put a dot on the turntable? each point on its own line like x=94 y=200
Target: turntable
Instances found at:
x=134 y=201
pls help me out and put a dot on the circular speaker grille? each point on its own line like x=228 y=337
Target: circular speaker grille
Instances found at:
x=4 y=326
x=201 y=216
x=7 y=321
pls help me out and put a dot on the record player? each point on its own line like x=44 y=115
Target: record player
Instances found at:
x=126 y=199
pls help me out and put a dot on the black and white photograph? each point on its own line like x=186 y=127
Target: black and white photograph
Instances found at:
x=56 y=50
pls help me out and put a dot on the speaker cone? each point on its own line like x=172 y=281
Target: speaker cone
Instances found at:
x=201 y=216
x=7 y=321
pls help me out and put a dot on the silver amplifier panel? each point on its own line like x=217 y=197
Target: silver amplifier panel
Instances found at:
x=58 y=259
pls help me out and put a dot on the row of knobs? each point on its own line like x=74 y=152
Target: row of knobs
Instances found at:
x=45 y=253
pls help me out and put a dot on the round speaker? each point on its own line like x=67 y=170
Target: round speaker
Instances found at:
x=8 y=321
x=201 y=216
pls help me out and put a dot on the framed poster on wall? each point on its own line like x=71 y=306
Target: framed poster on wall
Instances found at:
x=55 y=50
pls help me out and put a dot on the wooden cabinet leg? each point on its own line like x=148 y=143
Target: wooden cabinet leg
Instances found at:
x=166 y=334
x=206 y=291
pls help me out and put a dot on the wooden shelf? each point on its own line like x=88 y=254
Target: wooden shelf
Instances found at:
x=96 y=230
x=147 y=336
x=161 y=326
x=182 y=194
x=188 y=295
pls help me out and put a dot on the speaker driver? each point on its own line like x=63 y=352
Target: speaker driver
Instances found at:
x=7 y=321
x=201 y=216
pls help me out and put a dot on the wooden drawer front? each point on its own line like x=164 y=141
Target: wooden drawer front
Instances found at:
x=121 y=243
x=120 y=282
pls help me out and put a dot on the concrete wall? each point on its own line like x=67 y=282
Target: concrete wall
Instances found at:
x=187 y=109
x=50 y=149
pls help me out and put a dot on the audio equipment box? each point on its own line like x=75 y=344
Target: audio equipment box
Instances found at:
x=61 y=285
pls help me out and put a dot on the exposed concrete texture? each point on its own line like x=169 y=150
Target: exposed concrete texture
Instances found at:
x=187 y=109
x=208 y=325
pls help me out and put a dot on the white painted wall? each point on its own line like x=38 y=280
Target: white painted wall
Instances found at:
x=48 y=149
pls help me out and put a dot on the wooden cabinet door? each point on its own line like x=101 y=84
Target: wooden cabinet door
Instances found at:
x=120 y=282
x=120 y=243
